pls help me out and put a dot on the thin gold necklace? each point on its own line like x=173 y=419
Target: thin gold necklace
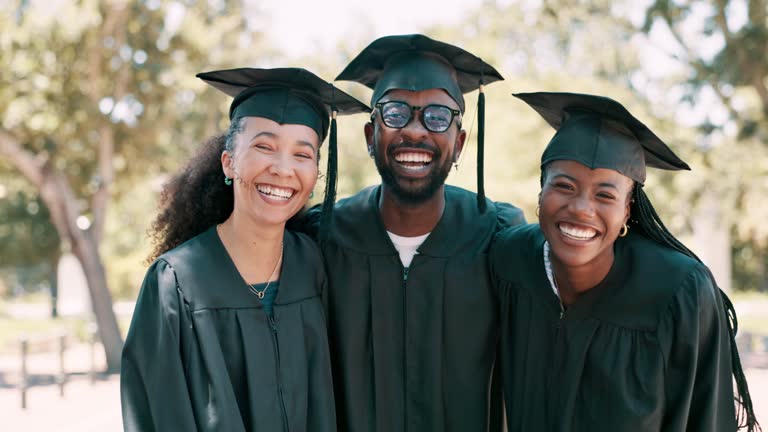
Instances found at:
x=259 y=293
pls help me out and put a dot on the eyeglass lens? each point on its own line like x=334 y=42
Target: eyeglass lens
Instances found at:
x=436 y=118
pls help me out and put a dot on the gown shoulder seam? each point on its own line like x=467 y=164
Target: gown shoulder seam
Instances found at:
x=184 y=298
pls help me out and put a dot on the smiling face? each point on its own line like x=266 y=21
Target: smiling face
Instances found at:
x=414 y=162
x=582 y=212
x=274 y=167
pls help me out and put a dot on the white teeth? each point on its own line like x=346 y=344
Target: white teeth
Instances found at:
x=414 y=157
x=275 y=192
x=578 y=233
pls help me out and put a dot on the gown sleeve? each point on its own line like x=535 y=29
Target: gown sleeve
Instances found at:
x=500 y=403
x=508 y=215
x=153 y=387
x=307 y=221
x=694 y=339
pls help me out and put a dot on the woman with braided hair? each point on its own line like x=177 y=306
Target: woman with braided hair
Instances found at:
x=609 y=323
x=229 y=332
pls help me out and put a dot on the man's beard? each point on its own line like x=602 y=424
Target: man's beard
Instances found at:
x=409 y=191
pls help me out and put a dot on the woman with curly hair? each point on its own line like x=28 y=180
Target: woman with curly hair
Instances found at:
x=609 y=323
x=228 y=333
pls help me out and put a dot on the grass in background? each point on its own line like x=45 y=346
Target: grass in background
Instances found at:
x=13 y=329
x=77 y=329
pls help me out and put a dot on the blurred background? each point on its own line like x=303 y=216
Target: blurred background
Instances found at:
x=99 y=106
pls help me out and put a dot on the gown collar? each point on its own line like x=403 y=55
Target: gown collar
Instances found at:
x=208 y=278
x=358 y=225
x=587 y=305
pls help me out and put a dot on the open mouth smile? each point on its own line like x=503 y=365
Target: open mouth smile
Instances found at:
x=577 y=232
x=274 y=192
x=413 y=161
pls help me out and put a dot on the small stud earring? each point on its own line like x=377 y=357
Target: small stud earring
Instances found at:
x=227 y=181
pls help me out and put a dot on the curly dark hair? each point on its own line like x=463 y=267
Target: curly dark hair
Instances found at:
x=196 y=198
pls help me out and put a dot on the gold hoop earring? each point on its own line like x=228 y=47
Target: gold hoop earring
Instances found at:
x=538 y=210
x=624 y=230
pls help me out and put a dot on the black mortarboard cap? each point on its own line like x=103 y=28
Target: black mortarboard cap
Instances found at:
x=416 y=62
x=285 y=95
x=290 y=96
x=599 y=132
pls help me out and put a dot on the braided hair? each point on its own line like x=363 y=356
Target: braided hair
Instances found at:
x=645 y=220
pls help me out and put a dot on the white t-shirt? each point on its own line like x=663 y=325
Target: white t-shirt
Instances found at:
x=407 y=246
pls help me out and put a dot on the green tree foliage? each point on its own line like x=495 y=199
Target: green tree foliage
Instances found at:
x=27 y=237
x=721 y=49
x=29 y=243
x=99 y=96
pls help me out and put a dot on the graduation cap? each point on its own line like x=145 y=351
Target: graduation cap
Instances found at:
x=416 y=62
x=599 y=132
x=290 y=96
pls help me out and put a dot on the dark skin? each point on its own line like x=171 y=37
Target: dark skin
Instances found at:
x=401 y=213
x=409 y=220
x=582 y=212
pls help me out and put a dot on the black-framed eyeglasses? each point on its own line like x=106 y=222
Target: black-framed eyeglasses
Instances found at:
x=435 y=118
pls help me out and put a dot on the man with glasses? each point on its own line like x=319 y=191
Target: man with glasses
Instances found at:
x=413 y=320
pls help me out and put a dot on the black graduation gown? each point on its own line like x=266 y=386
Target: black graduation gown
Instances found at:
x=413 y=350
x=645 y=350
x=202 y=355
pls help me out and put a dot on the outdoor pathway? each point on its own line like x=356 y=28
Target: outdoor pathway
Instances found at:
x=85 y=407
x=88 y=407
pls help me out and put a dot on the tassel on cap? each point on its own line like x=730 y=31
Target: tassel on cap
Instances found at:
x=330 y=178
x=416 y=63
x=481 y=204
x=292 y=96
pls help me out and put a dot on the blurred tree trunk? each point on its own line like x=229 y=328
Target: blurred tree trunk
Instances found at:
x=53 y=282
x=763 y=272
x=99 y=84
x=63 y=206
